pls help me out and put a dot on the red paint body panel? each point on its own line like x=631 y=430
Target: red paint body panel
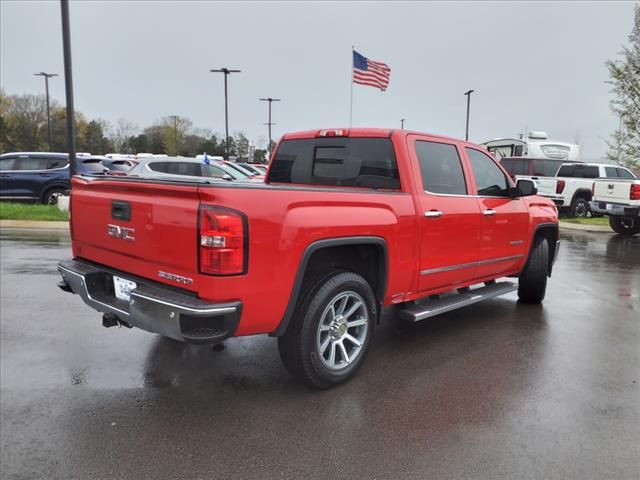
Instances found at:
x=283 y=220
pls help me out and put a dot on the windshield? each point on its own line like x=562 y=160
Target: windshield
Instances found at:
x=235 y=174
x=246 y=172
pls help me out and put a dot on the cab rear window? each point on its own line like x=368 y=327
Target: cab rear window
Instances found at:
x=346 y=162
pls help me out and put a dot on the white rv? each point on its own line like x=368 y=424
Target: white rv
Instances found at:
x=535 y=145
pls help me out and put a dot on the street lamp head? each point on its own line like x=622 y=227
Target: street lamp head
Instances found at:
x=44 y=74
x=224 y=70
x=469 y=92
x=269 y=99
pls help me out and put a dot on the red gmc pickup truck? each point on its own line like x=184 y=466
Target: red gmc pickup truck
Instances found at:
x=347 y=222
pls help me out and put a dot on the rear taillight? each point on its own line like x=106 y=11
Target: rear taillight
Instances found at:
x=560 y=186
x=634 y=194
x=222 y=241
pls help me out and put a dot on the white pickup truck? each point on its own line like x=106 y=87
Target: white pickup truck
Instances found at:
x=620 y=200
x=571 y=188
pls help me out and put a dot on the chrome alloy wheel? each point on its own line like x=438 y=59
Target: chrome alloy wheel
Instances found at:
x=342 y=330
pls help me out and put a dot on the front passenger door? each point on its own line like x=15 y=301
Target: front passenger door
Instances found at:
x=505 y=220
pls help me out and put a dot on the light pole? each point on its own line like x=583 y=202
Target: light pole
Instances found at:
x=47 y=76
x=226 y=72
x=468 y=94
x=175 y=131
x=68 y=85
x=402 y=124
x=270 y=100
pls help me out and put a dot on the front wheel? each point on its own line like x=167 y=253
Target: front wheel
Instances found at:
x=625 y=225
x=331 y=330
x=532 y=284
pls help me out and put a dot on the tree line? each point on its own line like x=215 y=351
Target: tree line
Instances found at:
x=624 y=73
x=23 y=128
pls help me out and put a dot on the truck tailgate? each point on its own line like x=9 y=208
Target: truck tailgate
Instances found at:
x=146 y=229
x=617 y=191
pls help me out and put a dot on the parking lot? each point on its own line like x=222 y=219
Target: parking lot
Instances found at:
x=496 y=390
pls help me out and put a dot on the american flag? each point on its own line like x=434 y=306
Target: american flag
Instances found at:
x=369 y=72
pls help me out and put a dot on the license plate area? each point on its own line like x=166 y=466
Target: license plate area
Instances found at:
x=123 y=287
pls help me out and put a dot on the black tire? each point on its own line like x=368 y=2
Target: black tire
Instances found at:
x=625 y=225
x=299 y=347
x=532 y=284
x=579 y=208
x=50 y=197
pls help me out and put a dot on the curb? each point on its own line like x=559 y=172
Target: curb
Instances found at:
x=585 y=228
x=34 y=225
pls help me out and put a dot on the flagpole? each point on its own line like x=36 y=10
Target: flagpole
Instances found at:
x=351 y=98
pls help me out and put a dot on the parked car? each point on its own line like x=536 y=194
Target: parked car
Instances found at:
x=244 y=170
x=348 y=222
x=118 y=166
x=185 y=166
x=40 y=176
x=620 y=200
x=570 y=189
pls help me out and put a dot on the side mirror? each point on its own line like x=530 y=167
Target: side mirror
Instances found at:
x=227 y=177
x=524 y=188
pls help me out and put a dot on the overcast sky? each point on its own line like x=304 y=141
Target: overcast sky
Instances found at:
x=532 y=64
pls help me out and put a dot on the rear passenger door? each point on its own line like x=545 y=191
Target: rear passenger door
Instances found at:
x=505 y=220
x=450 y=223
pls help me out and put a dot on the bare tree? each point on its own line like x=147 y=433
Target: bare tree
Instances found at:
x=122 y=132
x=27 y=121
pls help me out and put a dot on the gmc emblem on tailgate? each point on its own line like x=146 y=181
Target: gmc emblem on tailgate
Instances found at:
x=123 y=233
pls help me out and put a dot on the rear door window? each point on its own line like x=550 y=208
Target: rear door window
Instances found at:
x=490 y=180
x=185 y=168
x=31 y=163
x=566 y=171
x=441 y=168
x=612 y=172
x=345 y=162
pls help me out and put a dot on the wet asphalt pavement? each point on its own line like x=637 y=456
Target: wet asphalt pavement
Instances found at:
x=494 y=391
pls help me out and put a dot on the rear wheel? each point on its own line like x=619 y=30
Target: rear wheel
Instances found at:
x=579 y=207
x=50 y=197
x=625 y=225
x=532 y=284
x=331 y=331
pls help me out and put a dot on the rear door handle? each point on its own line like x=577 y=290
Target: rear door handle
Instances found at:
x=433 y=214
x=489 y=213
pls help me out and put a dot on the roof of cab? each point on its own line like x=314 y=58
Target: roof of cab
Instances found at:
x=364 y=132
